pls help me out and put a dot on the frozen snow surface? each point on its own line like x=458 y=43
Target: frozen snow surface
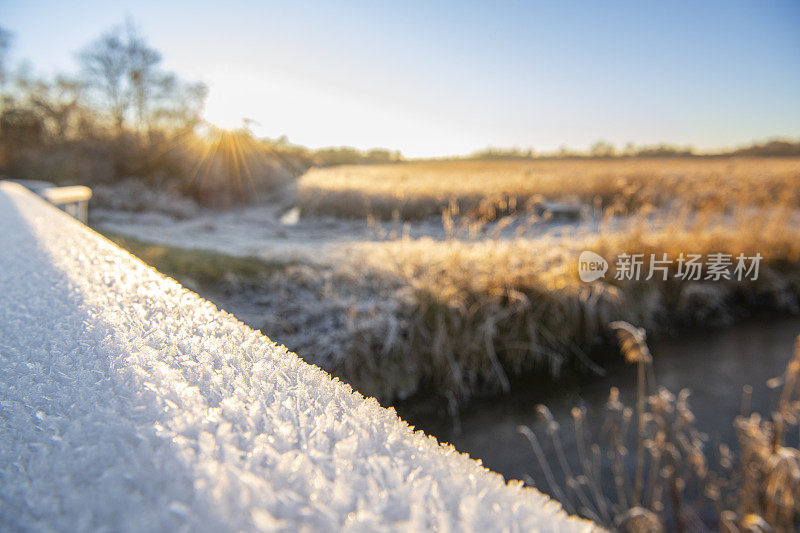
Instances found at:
x=130 y=404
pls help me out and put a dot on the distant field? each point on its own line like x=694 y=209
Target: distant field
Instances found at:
x=494 y=188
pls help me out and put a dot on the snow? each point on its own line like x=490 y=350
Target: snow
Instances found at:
x=128 y=403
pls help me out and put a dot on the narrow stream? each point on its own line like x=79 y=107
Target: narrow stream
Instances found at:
x=713 y=364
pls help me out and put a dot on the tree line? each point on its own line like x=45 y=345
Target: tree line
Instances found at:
x=603 y=150
x=120 y=90
x=122 y=115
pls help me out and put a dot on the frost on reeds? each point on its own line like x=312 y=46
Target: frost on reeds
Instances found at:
x=676 y=482
x=471 y=314
x=494 y=295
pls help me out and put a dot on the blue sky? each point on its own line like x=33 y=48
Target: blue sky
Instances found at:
x=453 y=77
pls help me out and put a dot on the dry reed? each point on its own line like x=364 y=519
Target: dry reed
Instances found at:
x=676 y=480
x=473 y=314
x=417 y=190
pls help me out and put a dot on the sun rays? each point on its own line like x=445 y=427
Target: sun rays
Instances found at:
x=229 y=158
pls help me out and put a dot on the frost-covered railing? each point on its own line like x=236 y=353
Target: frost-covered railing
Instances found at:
x=73 y=200
x=130 y=403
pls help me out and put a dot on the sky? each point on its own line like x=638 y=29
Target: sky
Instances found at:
x=445 y=78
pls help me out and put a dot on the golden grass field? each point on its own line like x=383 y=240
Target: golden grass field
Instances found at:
x=477 y=311
x=415 y=190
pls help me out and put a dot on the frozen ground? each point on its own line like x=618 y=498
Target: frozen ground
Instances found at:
x=130 y=404
x=257 y=231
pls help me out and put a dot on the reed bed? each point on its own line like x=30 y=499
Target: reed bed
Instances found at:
x=413 y=191
x=650 y=468
x=468 y=316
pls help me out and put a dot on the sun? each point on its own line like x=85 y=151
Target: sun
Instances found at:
x=226 y=122
x=230 y=158
x=224 y=113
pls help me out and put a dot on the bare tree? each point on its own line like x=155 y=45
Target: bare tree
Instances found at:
x=5 y=43
x=57 y=102
x=106 y=63
x=177 y=105
x=143 y=75
x=124 y=69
